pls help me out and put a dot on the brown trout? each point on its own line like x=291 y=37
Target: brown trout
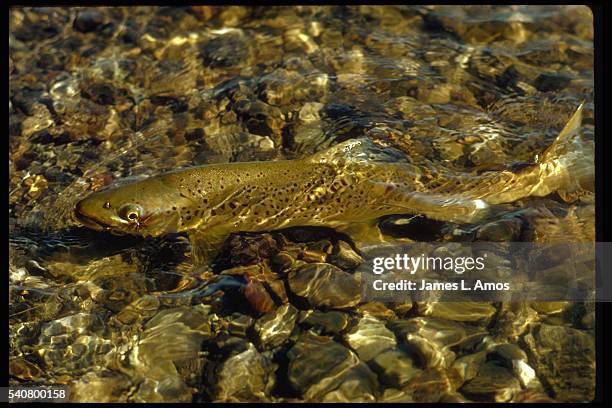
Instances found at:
x=346 y=187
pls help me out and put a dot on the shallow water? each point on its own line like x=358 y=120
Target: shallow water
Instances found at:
x=101 y=96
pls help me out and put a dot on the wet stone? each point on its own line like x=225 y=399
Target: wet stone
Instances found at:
x=429 y=386
x=513 y=320
x=282 y=261
x=274 y=328
x=453 y=398
x=239 y=324
x=531 y=396
x=564 y=359
x=225 y=51
x=324 y=285
x=466 y=367
x=332 y=322
x=323 y=370
x=168 y=339
x=88 y=20
x=344 y=257
x=23 y=369
x=310 y=112
x=101 y=94
x=492 y=383
x=394 y=395
x=105 y=386
x=432 y=338
x=394 y=368
x=370 y=337
x=142 y=308
x=551 y=82
x=313 y=256
x=514 y=358
x=377 y=309
x=459 y=311
x=245 y=377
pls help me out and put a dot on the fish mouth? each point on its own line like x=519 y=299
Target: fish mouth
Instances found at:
x=90 y=222
x=96 y=225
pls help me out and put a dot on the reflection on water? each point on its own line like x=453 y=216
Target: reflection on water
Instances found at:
x=104 y=95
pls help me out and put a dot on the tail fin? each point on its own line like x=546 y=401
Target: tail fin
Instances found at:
x=568 y=163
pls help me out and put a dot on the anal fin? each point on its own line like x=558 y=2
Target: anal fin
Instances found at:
x=205 y=247
x=435 y=206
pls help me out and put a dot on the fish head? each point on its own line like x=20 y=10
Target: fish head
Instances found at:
x=145 y=208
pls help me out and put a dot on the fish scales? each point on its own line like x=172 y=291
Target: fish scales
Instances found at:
x=352 y=183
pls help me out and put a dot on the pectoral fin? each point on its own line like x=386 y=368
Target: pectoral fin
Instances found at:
x=365 y=234
x=205 y=247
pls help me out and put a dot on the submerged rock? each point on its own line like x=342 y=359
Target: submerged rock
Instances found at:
x=432 y=338
x=101 y=387
x=429 y=386
x=564 y=359
x=345 y=257
x=23 y=369
x=246 y=377
x=324 y=285
x=370 y=337
x=73 y=342
x=274 y=328
x=170 y=338
x=325 y=371
x=332 y=322
x=395 y=395
x=466 y=367
x=492 y=383
x=395 y=368
x=513 y=357
x=459 y=311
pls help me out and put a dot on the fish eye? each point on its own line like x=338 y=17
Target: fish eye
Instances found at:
x=130 y=212
x=107 y=205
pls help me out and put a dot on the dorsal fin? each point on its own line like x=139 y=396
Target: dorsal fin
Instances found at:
x=358 y=150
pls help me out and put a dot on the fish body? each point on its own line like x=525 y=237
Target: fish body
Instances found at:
x=354 y=182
